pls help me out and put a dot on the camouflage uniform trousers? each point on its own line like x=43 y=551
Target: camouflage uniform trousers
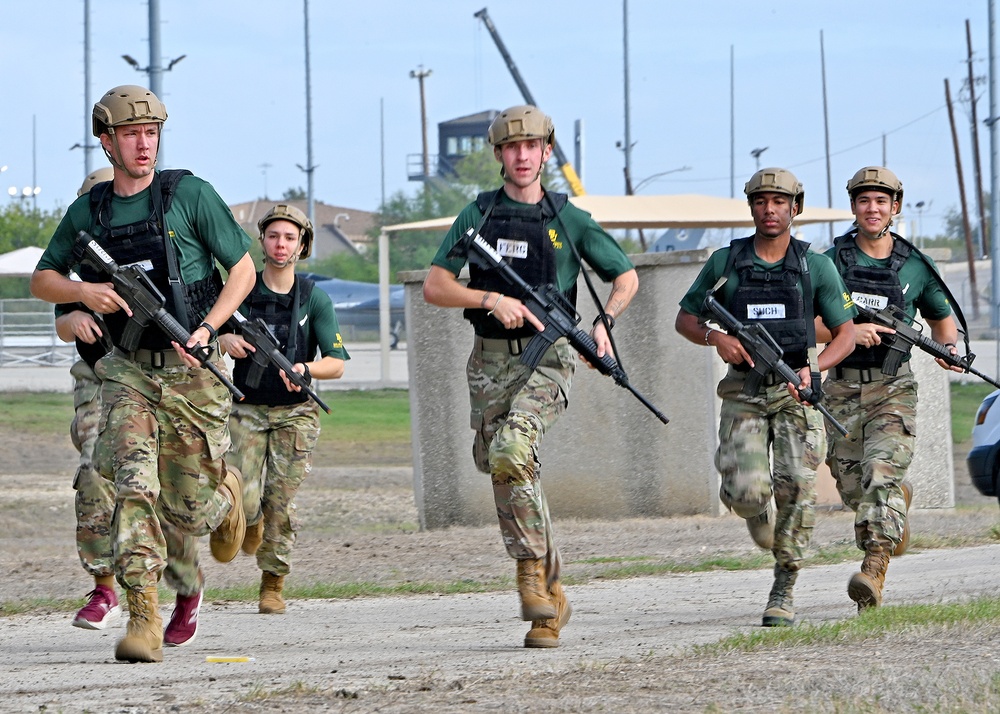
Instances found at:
x=273 y=447
x=753 y=431
x=163 y=435
x=95 y=497
x=512 y=408
x=870 y=463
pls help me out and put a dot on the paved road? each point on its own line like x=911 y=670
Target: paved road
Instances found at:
x=367 y=642
x=363 y=371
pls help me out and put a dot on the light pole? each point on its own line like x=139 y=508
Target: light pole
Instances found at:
x=756 y=155
x=24 y=194
x=919 y=207
x=649 y=179
x=419 y=74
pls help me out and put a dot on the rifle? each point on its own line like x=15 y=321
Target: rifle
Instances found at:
x=267 y=349
x=147 y=305
x=552 y=309
x=908 y=333
x=767 y=357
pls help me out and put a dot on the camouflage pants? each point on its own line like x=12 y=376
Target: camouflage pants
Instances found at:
x=163 y=434
x=95 y=495
x=870 y=463
x=273 y=448
x=753 y=432
x=512 y=407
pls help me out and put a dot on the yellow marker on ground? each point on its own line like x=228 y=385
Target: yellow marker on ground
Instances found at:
x=229 y=659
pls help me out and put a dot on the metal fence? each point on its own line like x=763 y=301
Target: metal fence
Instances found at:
x=28 y=335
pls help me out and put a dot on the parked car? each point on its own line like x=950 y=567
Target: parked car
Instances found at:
x=984 y=457
x=357 y=305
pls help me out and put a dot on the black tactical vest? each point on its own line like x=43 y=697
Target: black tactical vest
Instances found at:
x=519 y=234
x=872 y=287
x=144 y=243
x=297 y=345
x=773 y=298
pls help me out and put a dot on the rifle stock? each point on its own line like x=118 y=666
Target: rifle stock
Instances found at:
x=767 y=357
x=554 y=312
x=147 y=305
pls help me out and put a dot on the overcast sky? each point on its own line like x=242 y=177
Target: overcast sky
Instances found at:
x=237 y=101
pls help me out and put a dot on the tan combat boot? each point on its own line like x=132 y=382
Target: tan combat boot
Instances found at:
x=545 y=632
x=254 y=537
x=761 y=527
x=227 y=538
x=780 y=610
x=865 y=588
x=904 y=540
x=271 y=601
x=143 y=640
x=535 y=602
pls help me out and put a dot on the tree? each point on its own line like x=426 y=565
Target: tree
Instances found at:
x=21 y=227
x=294 y=194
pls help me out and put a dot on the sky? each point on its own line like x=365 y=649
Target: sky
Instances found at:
x=237 y=101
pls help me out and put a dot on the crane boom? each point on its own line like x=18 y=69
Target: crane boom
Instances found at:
x=575 y=185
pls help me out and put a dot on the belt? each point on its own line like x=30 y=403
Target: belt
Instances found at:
x=864 y=376
x=513 y=347
x=769 y=380
x=159 y=359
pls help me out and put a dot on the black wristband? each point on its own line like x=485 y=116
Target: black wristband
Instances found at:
x=213 y=334
x=611 y=321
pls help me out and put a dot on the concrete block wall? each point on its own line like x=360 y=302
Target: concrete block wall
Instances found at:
x=609 y=457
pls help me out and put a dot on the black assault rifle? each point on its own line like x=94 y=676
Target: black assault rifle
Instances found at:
x=267 y=349
x=146 y=302
x=552 y=309
x=767 y=357
x=908 y=333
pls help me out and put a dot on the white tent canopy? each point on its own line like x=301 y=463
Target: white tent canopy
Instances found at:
x=677 y=211
x=20 y=263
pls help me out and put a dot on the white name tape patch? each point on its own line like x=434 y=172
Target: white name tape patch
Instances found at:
x=512 y=248
x=766 y=312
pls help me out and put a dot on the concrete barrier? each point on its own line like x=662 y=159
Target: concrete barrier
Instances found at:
x=608 y=457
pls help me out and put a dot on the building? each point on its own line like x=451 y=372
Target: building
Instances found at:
x=457 y=138
x=337 y=229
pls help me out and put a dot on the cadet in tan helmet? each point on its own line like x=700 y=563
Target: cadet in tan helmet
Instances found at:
x=544 y=237
x=276 y=427
x=879 y=410
x=776 y=280
x=164 y=422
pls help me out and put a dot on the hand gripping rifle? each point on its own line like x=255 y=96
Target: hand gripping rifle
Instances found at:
x=147 y=305
x=909 y=334
x=767 y=357
x=267 y=349
x=554 y=312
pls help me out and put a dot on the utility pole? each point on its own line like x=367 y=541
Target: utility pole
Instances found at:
x=419 y=74
x=984 y=240
x=627 y=149
x=309 y=168
x=826 y=133
x=965 y=210
x=991 y=122
x=88 y=125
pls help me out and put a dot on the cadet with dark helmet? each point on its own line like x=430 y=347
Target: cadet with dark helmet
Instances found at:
x=164 y=420
x=776 y=280
x=543 y=236
x=276 y=427
x=879 y=410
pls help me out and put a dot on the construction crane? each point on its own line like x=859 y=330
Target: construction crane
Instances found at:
x=575 y=185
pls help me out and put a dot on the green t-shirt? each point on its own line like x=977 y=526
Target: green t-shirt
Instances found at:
x=200 y=224
x=599 y=249
x=829 y=299
x=921 y=285
x=320 y=321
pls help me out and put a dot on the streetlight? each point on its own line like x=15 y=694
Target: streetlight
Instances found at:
x=648 y=179
x=25 y=193
x=919 y=207
x=756 y=155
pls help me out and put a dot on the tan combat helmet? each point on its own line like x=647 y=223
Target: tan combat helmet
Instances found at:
x=774 y=180
x=876 y=178
x=521 y=123
x=284 y=212
x=100 y=176
x=127 y=104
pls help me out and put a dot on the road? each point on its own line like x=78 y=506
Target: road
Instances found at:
x=366 y=643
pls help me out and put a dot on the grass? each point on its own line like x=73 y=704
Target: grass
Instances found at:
x=870 y=624
x=965 y=399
